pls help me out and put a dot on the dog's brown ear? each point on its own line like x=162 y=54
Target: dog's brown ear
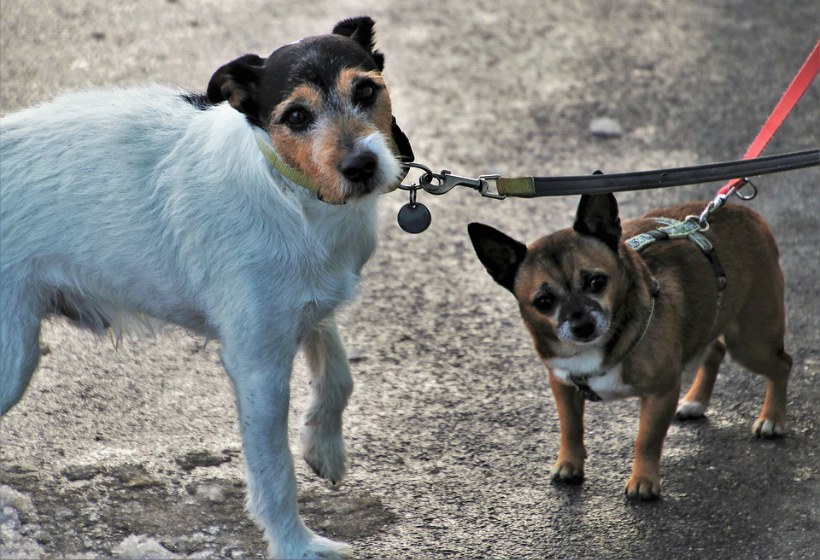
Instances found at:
x=598 y=216
x=360 y=29
x=500 y=254
x=237 y=83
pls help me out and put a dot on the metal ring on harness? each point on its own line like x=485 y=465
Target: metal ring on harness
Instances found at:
x=746 y=181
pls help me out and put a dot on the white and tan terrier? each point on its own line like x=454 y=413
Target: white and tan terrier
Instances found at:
x=610 y=322
x=245 y=214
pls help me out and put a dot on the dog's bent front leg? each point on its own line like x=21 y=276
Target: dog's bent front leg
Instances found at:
x=261 y=382
x=657 y=412
x=569 y=467
x=323 y=446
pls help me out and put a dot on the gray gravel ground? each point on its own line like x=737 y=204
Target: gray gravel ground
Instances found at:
x=135 y=450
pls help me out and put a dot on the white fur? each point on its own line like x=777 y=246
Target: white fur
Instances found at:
x=610 y=385
x=564 y=330
x=691 y=409
x=135 y=204
x=588 y=366
x=588 y=362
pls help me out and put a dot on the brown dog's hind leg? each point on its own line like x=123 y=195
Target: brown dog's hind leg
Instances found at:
x=772 y=420
x=755 y=341
x=773 y=362
x=569 y=467
x=696 y=401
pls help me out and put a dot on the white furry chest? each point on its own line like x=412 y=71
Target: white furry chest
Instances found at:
x=346 y=243
x=586 y=369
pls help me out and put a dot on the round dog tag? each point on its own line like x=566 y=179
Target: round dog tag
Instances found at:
x=414 y=217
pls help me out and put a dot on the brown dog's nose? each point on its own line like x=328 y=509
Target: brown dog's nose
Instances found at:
x=359 y=167
x=583 y=329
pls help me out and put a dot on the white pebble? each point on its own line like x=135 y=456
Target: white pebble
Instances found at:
x=605 y=127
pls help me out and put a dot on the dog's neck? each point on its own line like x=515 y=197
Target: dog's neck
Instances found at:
x=637 y=312
x=293 y=175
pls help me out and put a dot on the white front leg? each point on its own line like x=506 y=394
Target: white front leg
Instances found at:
x=323 y=446
x=261 y=381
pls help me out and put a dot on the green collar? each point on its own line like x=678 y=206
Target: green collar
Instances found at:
x=288 y=172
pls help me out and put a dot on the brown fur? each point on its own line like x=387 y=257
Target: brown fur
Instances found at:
x=687 y=326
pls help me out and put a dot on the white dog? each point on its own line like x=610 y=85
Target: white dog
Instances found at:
x=245 y=214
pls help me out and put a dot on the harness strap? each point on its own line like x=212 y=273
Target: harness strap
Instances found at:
x=687 y=229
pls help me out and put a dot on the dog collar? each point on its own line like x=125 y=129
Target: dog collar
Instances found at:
x=656 y=290
x=293 y=175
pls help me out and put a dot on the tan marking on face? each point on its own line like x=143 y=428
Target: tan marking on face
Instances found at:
x=381 y=112
x=337 y=125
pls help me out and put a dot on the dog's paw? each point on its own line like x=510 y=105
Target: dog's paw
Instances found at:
x=316 y=548
x=768 y=429
x=567 y=473
x=324 y=452
x=643 y=488
x=690 y=410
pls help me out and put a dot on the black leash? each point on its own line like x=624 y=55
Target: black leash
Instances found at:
x=415 y=218
x=661 y=178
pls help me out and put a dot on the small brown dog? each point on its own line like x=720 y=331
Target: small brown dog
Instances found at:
x=610 y=322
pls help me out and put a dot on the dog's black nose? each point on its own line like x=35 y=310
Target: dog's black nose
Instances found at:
x=359 y=167
x=583 y=330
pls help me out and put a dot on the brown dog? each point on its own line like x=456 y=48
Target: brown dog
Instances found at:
x=610 y=322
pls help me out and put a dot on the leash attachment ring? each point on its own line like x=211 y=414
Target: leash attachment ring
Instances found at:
x=746 y=197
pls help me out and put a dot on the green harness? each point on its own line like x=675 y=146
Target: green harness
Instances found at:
x=687 y=229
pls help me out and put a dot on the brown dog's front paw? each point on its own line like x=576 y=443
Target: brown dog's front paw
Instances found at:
x=643 y=488
x=690 y=410
x=567 y=473
x=768 y=429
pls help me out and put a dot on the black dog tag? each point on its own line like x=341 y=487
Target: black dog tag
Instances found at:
x=414 y=217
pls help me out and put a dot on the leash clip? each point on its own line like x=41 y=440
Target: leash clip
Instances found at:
x=447 y=181
x=721 y=199
x=444 y=182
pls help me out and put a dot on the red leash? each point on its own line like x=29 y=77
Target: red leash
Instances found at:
x=792 y=95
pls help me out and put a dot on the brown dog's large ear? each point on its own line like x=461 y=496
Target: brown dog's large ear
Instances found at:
x=360 y=29
x=237 y=83
x=500 y=254
x=598 y=216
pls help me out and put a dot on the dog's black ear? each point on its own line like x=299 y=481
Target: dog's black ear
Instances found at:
x=402 y=143
x=500 y=254
x=598 y=216
x=237 y=83
x=360 y=29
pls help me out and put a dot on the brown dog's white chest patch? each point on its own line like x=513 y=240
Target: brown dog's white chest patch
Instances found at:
x=586 y=372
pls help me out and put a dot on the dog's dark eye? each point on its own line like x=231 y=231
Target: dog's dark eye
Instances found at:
x=596 y=284
x=544 y=303
x=296 y=118
x=365 y=93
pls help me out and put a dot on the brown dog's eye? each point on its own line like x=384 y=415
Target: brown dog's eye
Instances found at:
x=296 y=118
x=596 y=284
x=544 y=303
